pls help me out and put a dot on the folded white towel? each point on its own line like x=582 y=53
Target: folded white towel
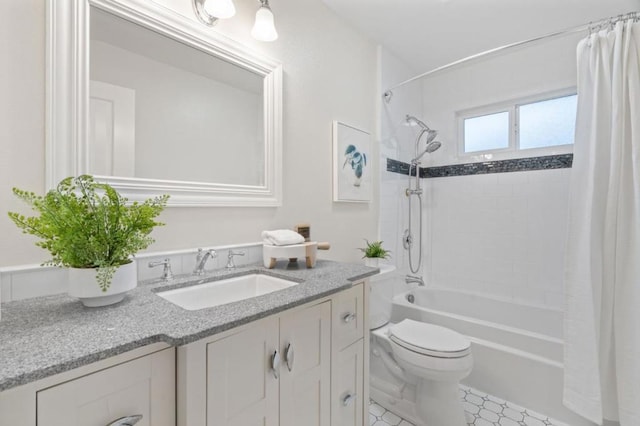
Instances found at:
x=282 y=237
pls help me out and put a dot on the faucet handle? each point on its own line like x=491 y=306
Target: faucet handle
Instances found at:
x=167 y=274
x=230 y=263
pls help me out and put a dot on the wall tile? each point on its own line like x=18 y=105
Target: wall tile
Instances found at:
x=35 y=283
x=5 y=288
x=18 y=283
x=500 y=234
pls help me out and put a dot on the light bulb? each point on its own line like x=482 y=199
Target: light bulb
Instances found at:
x=222 y=9
x=264 y=28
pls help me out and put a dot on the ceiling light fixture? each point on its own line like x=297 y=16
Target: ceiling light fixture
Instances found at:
x=209 y=11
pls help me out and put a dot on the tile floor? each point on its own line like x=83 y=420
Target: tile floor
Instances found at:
x=481 y=410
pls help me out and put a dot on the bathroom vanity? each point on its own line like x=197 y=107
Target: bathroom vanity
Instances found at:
x=290 y=357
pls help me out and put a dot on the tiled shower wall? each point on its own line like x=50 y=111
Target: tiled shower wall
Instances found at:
x=499 y=234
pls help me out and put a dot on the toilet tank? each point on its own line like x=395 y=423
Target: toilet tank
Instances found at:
x=382 y=291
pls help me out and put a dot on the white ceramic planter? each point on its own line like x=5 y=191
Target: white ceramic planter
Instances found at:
x=372 y=261
x=83 y=285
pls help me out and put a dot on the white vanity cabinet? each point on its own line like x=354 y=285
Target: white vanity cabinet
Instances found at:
x=106 y=393
x=349 y=393
x=276 y=372
x=304 y=366
x=142 y=390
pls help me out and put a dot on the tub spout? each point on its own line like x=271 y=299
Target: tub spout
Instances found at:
x=414 y=279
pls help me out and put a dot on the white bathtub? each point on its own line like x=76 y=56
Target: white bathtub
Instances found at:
x=517 y=348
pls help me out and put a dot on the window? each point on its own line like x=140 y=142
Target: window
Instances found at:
x=531 y=124
x=486 y=132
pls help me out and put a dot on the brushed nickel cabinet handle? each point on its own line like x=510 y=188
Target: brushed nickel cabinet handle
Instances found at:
x=288 y=356
x=275 y=364
x=348 y=399
x=348 y=317
x=126 y=421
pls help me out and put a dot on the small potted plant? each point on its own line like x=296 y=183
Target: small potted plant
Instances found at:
x=89 y=228
x=373 y=252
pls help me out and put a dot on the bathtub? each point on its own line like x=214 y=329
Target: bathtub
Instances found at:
x=517 y=348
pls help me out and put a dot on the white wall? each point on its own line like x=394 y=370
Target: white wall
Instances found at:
x=329 y=72
x=21 y=118
x=500 y=234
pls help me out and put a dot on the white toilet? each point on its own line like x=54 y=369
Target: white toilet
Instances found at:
x=424 y=362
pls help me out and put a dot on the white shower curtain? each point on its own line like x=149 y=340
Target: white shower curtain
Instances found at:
x=602 y=267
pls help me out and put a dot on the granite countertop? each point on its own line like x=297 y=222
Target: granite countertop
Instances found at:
x=44 y=336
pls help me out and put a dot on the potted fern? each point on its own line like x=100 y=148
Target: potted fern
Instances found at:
x=89 y=228
x=373 y=252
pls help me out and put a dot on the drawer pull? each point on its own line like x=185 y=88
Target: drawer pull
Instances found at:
x=288 y=356
x=348 y=399
x=275 y=364
x=348 y=317
x=126 y=421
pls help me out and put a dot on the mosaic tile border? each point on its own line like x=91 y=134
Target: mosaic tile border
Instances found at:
x=481 y=409
x=547 y=162
x=401 y=167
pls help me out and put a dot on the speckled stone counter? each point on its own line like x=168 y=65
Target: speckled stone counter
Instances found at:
x=49 y=335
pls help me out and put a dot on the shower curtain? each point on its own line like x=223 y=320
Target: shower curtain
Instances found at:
x=602 y=265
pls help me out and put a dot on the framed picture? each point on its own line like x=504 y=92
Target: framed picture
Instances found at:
x=352 y=168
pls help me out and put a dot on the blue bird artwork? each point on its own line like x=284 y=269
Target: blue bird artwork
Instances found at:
x=357 y=161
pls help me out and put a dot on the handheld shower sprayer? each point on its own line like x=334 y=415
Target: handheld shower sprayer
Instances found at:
x=431 y=146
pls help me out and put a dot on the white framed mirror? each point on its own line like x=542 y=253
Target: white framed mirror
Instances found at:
x=152 y=103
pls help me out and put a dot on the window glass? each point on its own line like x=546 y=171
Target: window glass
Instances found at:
x=548 y=123
x=486 y=132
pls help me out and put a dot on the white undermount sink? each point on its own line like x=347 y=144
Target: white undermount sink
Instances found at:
x=229 y=290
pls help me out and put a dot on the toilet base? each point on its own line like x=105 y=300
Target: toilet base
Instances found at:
x=438 y=403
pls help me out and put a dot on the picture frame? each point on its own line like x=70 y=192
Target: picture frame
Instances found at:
x=352 y=167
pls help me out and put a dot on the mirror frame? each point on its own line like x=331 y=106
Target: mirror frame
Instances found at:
x=67 y=101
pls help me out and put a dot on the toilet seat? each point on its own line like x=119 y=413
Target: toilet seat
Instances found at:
x=429 y=339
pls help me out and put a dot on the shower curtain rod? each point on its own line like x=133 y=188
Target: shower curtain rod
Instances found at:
x=591 y=26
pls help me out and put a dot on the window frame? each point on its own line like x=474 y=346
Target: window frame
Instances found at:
x=513 y=108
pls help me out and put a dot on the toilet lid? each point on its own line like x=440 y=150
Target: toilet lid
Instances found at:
x=429 y=339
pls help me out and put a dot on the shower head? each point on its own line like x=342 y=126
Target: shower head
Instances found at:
x=413 y=121
x=433 y=146
x=431 y=135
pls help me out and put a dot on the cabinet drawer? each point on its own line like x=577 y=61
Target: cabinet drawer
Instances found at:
x=348 y=317
x=347 y=405
x=144 y=386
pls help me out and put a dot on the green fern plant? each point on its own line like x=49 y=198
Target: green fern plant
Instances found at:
x=375 y=250
x=86 y=224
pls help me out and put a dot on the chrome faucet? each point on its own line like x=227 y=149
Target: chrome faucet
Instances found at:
x=230 y=264
x=201 y=260
x=167 y=275
x=409 y=279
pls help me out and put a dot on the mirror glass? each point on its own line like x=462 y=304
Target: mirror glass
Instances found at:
x=163 y=110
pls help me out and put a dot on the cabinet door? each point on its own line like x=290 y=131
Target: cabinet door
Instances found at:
x=144 y=386
x=306 y=371
x=347 y=405
x=242 y=389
